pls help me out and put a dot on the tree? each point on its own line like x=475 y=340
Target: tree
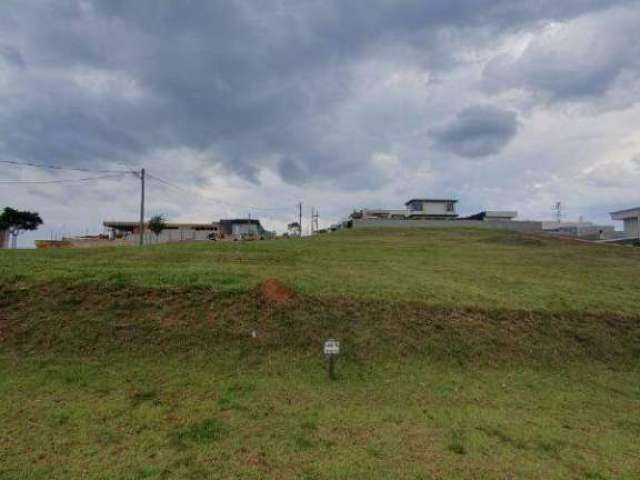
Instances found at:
x=157 y=224
x=16 y=221
x=294 y=229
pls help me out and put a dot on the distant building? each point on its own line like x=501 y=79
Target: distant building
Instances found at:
x=233 y=229
x=631 y=221
x=436 y=213
x=174 y=232
x=583 y=230
x=416 y=208
x=128 y=233
x=239 y=228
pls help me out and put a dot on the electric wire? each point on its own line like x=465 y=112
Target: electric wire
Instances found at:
x=248 y=207
x=67 y=180
x=57 y=167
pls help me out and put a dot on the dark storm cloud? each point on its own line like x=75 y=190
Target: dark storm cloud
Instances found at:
x=576 y=61
x=478 y=132
x=253 y=83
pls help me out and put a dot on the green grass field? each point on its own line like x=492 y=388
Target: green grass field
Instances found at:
x=466 y=354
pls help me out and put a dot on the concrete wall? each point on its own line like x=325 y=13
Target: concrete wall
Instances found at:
x=168 y=236
x=532 y=227
x=631 y=227
x=587 y=232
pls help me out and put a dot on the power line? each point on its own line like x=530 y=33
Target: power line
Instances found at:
x=69 y=180
x=119 y=172
x=57 y=167
x=162 y=180
x=224 y=202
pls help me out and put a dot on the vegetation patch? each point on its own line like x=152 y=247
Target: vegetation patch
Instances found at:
x=205 y=431
x=457 y=445
x=145 y=396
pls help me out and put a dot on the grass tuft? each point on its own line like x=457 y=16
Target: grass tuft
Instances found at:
x=457 y=444
x=206 y=431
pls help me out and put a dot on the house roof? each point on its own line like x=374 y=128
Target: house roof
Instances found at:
x=495 y=214
x=245 y=221
x=628 y=213
x=431 y=200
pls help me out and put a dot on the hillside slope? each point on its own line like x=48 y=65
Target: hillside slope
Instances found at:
x=466 y=354
x=476 y=268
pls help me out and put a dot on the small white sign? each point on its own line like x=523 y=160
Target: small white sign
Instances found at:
x=331 y=347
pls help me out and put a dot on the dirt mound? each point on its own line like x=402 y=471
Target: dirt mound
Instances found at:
x=276 y=292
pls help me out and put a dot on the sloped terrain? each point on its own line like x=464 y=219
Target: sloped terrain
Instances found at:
x=466 y=354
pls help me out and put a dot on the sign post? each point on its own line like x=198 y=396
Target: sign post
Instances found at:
x=331 y=351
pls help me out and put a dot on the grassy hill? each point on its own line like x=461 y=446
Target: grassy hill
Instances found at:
x=467 y=354
x=438 y=267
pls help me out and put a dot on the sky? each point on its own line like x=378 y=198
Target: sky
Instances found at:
x=246 y=107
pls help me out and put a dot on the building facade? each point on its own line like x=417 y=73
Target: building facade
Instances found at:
x=243 y=228
x=631 y=221
x=416 y=208
x=173 y=232
x=431 y=208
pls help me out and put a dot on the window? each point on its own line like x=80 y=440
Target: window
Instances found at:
x=450 y=207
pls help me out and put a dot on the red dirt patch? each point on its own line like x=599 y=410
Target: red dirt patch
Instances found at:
x=274 y=291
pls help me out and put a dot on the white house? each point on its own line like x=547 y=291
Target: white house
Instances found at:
x=416 y=208
x=631 y=219
x=432 y=208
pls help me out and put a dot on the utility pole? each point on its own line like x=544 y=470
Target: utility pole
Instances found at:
x=311 y=225
x=300 y=217
x=314 y=220
x=141 y=206
x=557 y=208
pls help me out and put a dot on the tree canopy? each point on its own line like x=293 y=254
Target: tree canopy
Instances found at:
x=17 y=220
x=157 y=224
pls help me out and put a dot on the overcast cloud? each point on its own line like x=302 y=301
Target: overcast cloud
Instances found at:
x=244 y=104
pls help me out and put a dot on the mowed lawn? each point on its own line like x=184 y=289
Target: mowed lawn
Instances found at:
x=457 y=267
x=221 y=417
x=466 y=355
